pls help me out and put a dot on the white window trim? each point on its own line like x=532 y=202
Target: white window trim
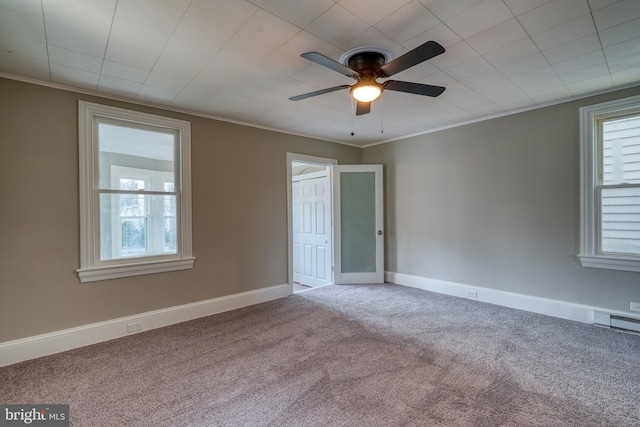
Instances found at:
x=589 y=251
x=90 y=268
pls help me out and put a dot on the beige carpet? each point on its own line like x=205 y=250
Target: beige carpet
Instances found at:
x=360 y=355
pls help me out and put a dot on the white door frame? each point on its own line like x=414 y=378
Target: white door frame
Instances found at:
x=303 y=158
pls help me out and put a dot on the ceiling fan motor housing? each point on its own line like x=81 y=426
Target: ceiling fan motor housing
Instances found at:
x=367 y=64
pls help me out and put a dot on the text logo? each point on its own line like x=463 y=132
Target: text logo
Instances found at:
x=34 y=415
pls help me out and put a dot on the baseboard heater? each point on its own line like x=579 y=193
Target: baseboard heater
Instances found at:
x=616 y=322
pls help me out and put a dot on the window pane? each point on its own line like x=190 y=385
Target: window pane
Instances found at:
x=134 y=147
x=621 y=150
x=136 y=225
x=169 y=201
x=134 y=236
x=170 y=235
x=132 y=204
x=621 y=220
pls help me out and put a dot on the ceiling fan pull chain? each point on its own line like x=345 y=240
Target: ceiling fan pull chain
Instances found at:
x=381 y=114
x=353 y=108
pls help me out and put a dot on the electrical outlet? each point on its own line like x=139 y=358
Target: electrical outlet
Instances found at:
x=472 y=294
x=634 y=306
x=134 y=327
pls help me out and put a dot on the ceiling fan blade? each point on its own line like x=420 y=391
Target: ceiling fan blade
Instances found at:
x=416 y=88
x=411 y=58
x=318 y=92
x=325 y=61
x=363 y=108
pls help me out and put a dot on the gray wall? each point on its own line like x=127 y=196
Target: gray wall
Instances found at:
x=495 y=204
x=239 y=215
x=492 y=204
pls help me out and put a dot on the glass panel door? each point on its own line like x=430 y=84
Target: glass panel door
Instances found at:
x=358 y=204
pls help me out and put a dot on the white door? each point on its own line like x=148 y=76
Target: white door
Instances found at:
x=358 y=224
x=311 y=215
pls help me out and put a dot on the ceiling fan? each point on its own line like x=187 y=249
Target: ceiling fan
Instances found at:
x=367 y=64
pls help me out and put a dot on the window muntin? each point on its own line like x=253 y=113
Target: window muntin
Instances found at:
x=134 y=193
x=610 y=185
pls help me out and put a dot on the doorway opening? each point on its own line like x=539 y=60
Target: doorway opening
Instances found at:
x=310 y=221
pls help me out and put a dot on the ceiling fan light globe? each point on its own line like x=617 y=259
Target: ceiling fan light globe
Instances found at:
x=366 y=93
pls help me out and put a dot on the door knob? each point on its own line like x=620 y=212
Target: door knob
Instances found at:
x=379 y=232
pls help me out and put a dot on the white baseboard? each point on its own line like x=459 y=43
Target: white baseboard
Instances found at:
x=549 y=307
x=55 y=342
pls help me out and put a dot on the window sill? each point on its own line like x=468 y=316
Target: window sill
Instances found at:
x=610 y=262
x=94 y=274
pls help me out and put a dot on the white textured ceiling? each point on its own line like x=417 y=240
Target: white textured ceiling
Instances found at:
x=240 y=60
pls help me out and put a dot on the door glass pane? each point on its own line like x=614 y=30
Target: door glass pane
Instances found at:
x=358 y=218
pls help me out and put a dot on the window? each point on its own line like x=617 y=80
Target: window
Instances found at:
x=135 y=200
x=610 y=185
